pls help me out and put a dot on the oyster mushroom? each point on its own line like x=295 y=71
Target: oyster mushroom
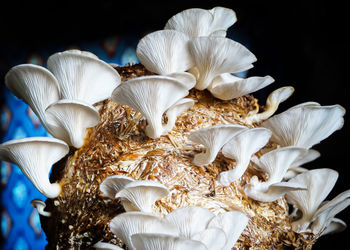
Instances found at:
x=141 y=195
x=69 y=120
x=197 y=22
x=227 y=86
x=165 y=52
x=213 y=138
x=275 y=164
x=241 y=148
x=36 y=86
x=113 y=184
x=82 y=76
x=315 y=216
x=106 y=246
x=305 y=125
x=152 y=96
x=214 y=56
x=39 y=205
x=126 y=224
x=35 y=156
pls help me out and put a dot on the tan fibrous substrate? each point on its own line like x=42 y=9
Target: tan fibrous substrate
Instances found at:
x=118 y=145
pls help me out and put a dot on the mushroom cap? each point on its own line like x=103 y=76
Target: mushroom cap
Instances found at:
x=241 y=147
x=82 y=76
x=213 y=138
x=39 y=205
x=69 y=119
x=35 y=156
x=319 y=183
x=151 y=96
x=126 y=224
x=165 y=52
x=213 y=238
x=141 y=195
x=217 y=55
x=305 y=124
x=227 y=86
x=196 y=22
x=35 y=85
x=113 y=184
x=106 y=246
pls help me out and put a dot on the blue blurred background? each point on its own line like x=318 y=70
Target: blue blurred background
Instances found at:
x=298 y=43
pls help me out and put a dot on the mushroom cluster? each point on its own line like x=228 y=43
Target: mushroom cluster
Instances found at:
x=191 y=52
x=190 y=227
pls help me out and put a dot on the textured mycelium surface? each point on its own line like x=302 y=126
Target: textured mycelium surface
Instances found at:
x=118 y=145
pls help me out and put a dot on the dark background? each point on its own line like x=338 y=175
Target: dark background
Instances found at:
x=299 y=43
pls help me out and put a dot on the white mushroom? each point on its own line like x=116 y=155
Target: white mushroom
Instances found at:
x=106 y=246
x=324 y=217
x=319 y=183
x=148 y=241
x=275 y=164
x=39 y=205
x=273 y=101
x=113 y=184
x=69 y=119
x=82 y=76
x=35 y=156
x=151 y=96
x=227 y=86
x=34 y=84
x=197 y=22
x=190 y=220
x=141 y=195
x=175 y=110
x=241 y=148
x=213 y=138
x=126 y=224
x=165 y=52
x=305 y=125
x=217 y=55
x=232 y=223
x=188 y=80
x=334 y=225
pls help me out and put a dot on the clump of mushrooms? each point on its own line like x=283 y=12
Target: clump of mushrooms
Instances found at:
x=139 y=228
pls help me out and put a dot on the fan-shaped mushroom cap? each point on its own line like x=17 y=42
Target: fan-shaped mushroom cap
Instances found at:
x=113 y=184
x=213 y=138
x=39 y=205
x=190 y=220
x=232 y=223
x=151 y=96
x=141 y=195
x=69 y=119
x=217 y=55
x=324 y=216
x=227 y=86
x=165 y=52
x=241 y=148
x=34 y=84
x=275 y=163
x=305 y=125
x=273 y=101
x=319 y=183
x=126 y=224
x=295 y=168
x=148 y=241
x=82 y=76
x=197 y=22
x=35 y=156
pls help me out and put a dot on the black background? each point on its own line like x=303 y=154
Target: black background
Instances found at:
x=299 y=43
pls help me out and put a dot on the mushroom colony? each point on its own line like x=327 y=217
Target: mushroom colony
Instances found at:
x=190 y=57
